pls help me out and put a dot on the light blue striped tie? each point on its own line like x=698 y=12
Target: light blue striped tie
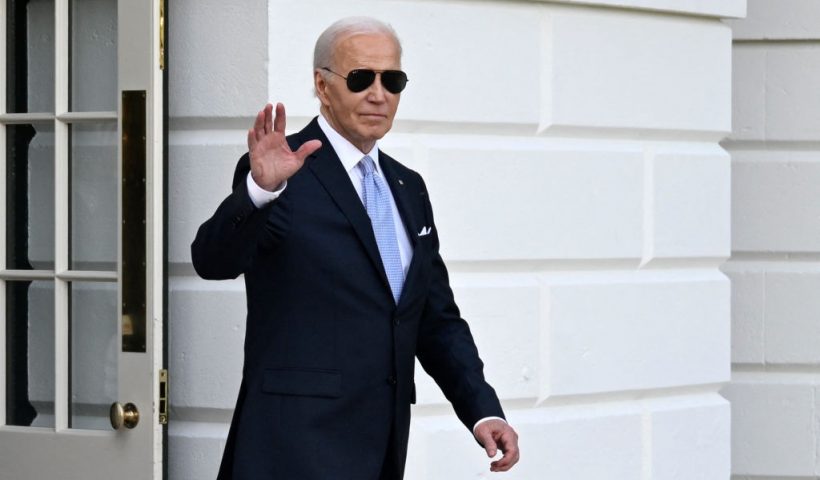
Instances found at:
x=376 y=197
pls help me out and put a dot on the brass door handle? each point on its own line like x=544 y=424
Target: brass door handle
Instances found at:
x=124 y=415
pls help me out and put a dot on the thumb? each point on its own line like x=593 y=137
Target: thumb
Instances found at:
x=307 y=148
x=485 y=437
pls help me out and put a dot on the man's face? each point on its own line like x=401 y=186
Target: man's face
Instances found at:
x=366 y=116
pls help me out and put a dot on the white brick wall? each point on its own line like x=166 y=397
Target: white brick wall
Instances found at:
x=571 y=153
x=218 y=79
x=775 y=241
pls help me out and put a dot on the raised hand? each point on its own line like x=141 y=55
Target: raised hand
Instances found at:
x=272 y=160
x=497 y=435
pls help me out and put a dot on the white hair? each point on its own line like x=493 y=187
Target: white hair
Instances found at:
x=346 y=27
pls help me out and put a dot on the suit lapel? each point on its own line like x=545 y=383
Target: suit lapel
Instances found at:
x=328 y=169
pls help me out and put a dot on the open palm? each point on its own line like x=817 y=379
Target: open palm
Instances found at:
x=272 y=160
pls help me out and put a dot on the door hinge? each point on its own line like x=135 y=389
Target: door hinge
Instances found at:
x=163 y=397
x=162 y=34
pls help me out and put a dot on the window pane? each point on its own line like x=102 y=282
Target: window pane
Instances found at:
x=30 y=196
x=94 y=194
x=94 y=347
x=30 y=56
x=30 y=353
x=93 y=55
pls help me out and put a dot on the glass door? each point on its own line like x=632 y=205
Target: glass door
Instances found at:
x=81 y=272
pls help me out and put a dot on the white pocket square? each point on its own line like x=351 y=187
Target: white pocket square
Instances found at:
x=425 y=231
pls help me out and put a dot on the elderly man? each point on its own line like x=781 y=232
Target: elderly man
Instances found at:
x=345 y=284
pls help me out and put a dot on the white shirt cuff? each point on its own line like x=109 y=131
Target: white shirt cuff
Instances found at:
x=261 y=197
x=484 y=420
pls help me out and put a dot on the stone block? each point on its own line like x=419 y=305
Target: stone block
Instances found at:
x=690 y=438
x=220 y=58
x=775 y=205
x=199 y=178
x=725 y=8
x=792 y=101
x=778 y=20
x=612 y=77
x=195 y=449
x=499 y=200
x=748 y=92
x=647 y=330
x=774 y=96
x=748 y=306
x=583 y=443
x=791 y=311
x=690 y=203
x=207 y=317
x=773 y=425
x=504 y=314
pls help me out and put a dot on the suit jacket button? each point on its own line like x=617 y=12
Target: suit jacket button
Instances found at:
x=396 y=321
x=392 y=380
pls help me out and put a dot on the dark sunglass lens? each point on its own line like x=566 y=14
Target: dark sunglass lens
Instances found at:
x=358 y=80
x=394 y=80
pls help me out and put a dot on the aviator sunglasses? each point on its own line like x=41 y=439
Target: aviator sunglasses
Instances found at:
x=358 y=80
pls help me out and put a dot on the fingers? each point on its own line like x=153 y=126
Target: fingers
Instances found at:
x=307 y=148
x=259 y=125
x=509 y=445
x=280 y=120
x=485 y=438
x=251 y=140
x=268 y=118
x=494 y=436
x=263 y=124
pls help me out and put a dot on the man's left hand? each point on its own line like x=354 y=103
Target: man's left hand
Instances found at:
x=496 y=435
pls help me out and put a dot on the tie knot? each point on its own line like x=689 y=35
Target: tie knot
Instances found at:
x=367 y=165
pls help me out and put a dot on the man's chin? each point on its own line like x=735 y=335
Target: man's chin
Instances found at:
x=382 y=128
x=373 y=134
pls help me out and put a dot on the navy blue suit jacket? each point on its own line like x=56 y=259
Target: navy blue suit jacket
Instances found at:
x=329 y=357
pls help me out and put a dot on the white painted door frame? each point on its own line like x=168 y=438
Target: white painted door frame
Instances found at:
x=60 y=451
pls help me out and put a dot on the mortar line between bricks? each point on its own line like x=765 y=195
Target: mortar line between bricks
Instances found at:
x=186 y=269
x=742 y=145
x=626 y=398
x=759 y=256
x=783 y=368
x=776 y=41
x=766 y=477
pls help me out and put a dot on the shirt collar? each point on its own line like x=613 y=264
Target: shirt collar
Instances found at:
x=346 y=151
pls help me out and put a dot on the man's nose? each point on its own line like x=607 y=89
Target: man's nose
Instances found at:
x=376 y=92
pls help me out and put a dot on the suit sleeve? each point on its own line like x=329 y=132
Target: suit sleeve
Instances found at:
x=227 y=242
x=448 y=353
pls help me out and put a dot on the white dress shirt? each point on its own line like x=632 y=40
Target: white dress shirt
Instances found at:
x=350 y=157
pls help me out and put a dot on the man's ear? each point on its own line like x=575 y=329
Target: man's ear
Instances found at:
x=320 y=86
